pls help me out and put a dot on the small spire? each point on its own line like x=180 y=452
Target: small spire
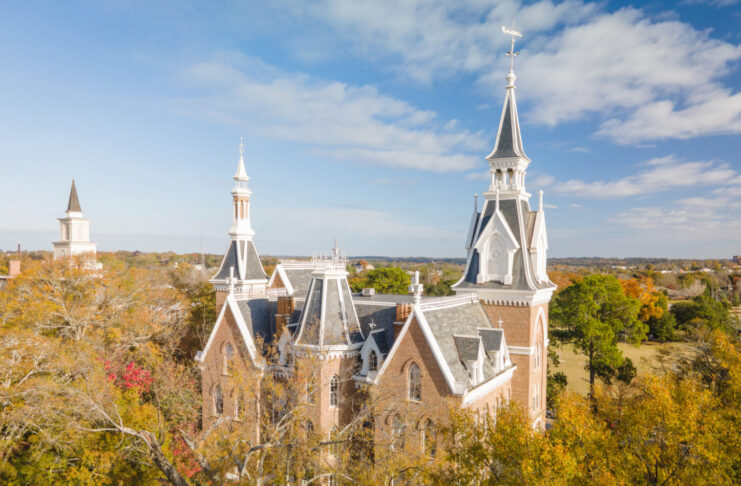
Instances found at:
x=496 y=208
x=540 y=200
x=73 y=205
x=241 y=174
x=475 y=203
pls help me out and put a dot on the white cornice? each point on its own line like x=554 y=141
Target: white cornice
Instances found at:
x=487 y=387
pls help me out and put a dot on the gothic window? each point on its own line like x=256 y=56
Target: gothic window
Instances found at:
x=397 y=433
x=332 y=481
x=310 y=391
x=429 y=438
x=239 y=407
x=309 y=429
x=334 y=391
x=372 y=361
x=228 y=354
x=218 y=401
x=415 y=383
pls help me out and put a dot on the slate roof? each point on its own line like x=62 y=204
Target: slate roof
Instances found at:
x=329 y=320
x=300 y=279
x=468 y=347
x=459 y=325
x=379 y=337
x=252 y=268
x=74 y=202
x=491 y=339
x=383 y=317
x=259 y=315
x=509 y=138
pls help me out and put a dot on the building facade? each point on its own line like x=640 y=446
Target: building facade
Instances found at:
x=418 y=355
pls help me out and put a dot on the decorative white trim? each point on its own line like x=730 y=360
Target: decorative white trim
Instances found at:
x=496 y=228
x=488 y=386
x=522 y=350
x=241 y=326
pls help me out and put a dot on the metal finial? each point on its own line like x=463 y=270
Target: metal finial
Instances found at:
x=512 y=53
x=475 y=202
x=241 y=147
x=540 y=199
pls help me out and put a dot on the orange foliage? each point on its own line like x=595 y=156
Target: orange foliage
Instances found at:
x=644 y=290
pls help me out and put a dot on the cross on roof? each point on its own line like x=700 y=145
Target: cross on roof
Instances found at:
x=500 y=321
x=512 y=53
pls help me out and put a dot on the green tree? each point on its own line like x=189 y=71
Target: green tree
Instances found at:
x=386 y=280
x=593 y=315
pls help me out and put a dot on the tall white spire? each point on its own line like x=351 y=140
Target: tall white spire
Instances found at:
x=507 y=161
x=241 y=225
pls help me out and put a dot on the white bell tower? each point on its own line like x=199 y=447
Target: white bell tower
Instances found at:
x=74 y=231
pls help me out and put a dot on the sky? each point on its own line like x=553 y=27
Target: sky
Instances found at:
x=369 y=121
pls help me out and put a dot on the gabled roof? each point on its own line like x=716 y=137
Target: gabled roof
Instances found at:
x=253 y=319
x=73 y=205
x=468 y=347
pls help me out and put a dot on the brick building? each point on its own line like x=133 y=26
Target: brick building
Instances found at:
x=477 y=349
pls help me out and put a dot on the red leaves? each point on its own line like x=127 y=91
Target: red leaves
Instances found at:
x=133 y=377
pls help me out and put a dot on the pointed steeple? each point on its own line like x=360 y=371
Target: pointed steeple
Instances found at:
x=241 y=174
x=73 y=205
x=507 y=161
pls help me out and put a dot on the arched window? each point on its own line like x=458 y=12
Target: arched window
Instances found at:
x=415 y=383
x=310 y=391
x=538 y=351
x=397 y=433
x=239 y=407
x=372 y=361
x=334 y=447
x=218 y=401
x=309 y=429
x=334 y=391
x=429 y=438
x=228 y=354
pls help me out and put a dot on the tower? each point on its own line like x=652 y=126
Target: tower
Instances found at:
x=506 y=261
x=241 y=270
x=74 y=231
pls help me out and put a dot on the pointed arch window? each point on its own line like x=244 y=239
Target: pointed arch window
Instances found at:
x=309 y=429
x=228 y=355
x=397 y=433
x=310 y=391
x=334 y=445
x=429 y=438
x=218 y=401
x=372 y=361
x=415 y=383
x=334 y=391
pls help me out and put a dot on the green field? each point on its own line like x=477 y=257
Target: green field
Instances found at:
x=643 y=356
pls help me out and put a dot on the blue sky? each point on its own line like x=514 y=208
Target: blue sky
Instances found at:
x=369 y=122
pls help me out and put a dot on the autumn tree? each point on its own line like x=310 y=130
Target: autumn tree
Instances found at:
x=386 y=280
x=594 y=315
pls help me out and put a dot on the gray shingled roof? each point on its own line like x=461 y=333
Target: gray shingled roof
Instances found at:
x=337 y=323
x=300 y=279
x=259 y=315
x=491 y=339
x=468 y=347
x=379 y=337
x=448 y=324
x=383 y=317
x=253 y=266
x=74 y=202
x=506 y=144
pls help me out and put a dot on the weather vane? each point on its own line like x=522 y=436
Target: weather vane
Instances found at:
x=512 y=53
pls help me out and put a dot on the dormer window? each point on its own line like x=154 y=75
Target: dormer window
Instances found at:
x=372 y=361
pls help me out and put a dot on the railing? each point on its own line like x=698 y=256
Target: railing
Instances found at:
x=260 y=292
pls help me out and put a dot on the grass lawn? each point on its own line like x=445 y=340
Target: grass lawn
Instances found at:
x=643 y=356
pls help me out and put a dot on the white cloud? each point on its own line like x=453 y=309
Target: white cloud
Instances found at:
x=648 y=78
x=341 y=121
x=662 y=174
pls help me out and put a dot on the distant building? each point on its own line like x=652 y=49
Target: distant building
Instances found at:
x=14 y=269
x=75 y=233
x=737 y=259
